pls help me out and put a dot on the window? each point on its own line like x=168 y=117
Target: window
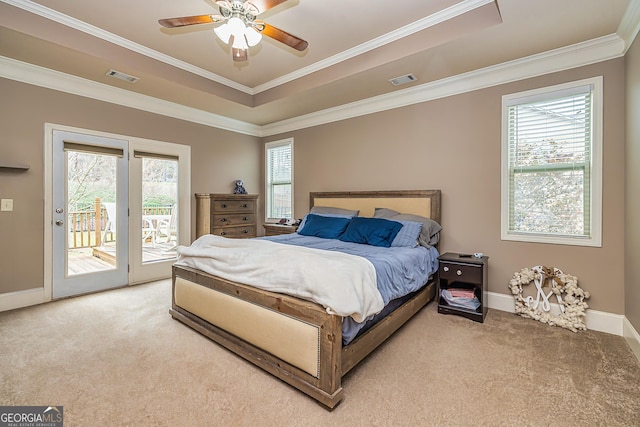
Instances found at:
x=552 y=164
x=279 y=179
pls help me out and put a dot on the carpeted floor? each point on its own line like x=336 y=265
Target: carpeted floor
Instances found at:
x=118 y=358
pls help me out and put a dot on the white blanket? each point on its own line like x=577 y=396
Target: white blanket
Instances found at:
x=342 y=283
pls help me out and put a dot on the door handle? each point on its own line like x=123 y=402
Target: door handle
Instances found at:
x=59 y=222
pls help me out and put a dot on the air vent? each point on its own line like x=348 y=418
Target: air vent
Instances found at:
x=122 y=76
x=403 y=79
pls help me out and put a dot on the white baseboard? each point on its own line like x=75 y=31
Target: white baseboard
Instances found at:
x=501 y=302
x=632 y=337
x=19 y=299
x=595 y=320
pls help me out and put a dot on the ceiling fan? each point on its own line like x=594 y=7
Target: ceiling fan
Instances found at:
x=239 y=21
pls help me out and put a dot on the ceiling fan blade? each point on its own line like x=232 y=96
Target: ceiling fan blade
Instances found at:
x=190 y=20
x=264 y=5
x=282 y=36
x=239 y=55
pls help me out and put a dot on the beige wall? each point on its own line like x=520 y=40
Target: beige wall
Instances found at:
x=632 y=214
x=217 y=158
x=453 y=144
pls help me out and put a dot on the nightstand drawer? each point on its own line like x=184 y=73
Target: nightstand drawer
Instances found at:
x=461 y=272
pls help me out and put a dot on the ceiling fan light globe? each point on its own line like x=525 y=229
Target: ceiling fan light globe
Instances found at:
x=253 y=37
x=236 y=26
x=223 y=32
x=239 y=43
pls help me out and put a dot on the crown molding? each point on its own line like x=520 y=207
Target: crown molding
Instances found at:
x=630 y=23
x=581 y=54
x=449 y=13
x=79 y=25
x=577 y=55
x=51 y=79
x=414 y=27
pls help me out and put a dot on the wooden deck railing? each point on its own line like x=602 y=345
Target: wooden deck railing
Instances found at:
x=83 y=232
x=156 y=210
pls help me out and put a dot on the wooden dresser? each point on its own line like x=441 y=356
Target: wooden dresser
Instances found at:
x=228 y=215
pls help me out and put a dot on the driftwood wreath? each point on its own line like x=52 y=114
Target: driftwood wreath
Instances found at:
x=565 y=289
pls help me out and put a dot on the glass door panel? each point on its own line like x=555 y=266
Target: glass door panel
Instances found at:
x=159 y=208
x=159 y=205
x=91 y=212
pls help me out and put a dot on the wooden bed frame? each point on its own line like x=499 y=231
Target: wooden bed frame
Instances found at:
x=293 y=339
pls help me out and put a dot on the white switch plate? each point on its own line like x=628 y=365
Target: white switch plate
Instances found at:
x=6 y=205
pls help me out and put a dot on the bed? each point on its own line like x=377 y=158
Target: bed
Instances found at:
x=297 y=340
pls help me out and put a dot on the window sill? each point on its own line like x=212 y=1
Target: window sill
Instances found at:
x=594 y=241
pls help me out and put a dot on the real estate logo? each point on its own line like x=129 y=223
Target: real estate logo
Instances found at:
x=31 y=416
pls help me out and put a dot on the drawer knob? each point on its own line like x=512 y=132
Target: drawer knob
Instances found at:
x=244 y=205
x=445 y=268
x=459 y=272
x=223 y=205
x=223 y=233
x=245 y=219
x=245 y=231
x=223 y=219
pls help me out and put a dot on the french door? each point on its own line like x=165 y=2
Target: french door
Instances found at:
x=159 y=201
x=86 y=163
x=119 y=206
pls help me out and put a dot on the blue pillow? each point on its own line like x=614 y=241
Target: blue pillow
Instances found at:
x=333 y=215
x=371 y=231
x=327 y=227
x=408 y=235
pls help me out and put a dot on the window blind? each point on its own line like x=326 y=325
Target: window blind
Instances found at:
x=143 y=154
x=279 y=180
x=549 y=149
x=93 y=149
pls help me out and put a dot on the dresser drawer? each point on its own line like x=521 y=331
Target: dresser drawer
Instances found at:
x=461 y=272
x=230 y=205
x=231 y=219
x=235 y=232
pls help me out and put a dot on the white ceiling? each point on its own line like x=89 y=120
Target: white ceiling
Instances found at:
x=355 y=47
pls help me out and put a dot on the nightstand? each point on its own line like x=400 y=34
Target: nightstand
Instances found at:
x=464 y=273
x=277 y=229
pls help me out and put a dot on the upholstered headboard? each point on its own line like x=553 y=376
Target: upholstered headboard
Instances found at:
x=418 y=202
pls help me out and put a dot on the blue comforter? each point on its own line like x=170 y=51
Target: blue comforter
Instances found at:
x=399 y=271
